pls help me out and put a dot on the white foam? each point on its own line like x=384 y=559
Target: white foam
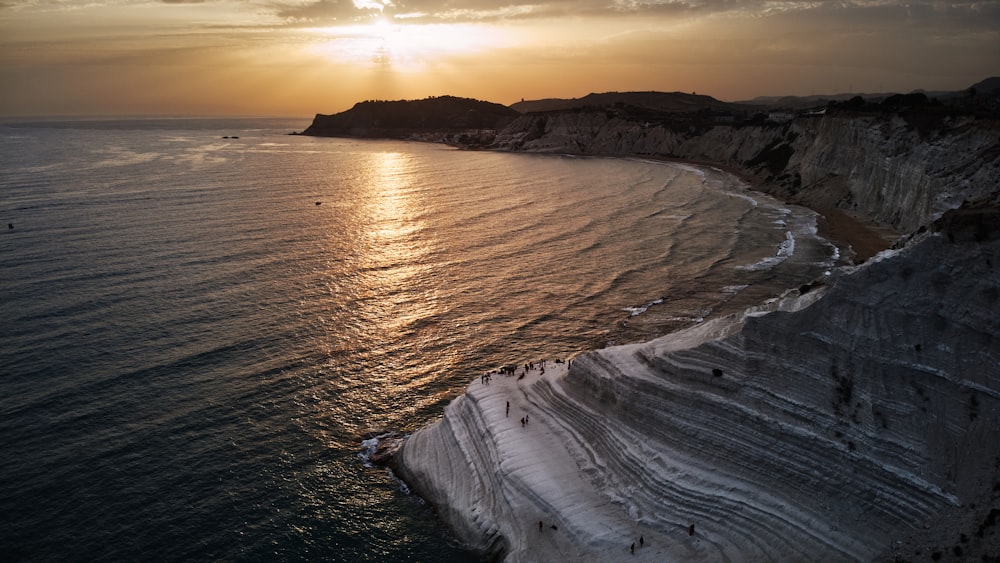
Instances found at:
x=635 y=311
x=753 y=202
x=694 y=170
x=368 y=447
x=786 y=249
x=734 y=289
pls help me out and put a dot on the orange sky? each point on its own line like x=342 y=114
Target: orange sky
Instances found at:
x=301 y=57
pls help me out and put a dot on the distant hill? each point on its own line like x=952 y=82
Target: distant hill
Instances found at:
x=662 y=102
x=408 y=118
x=802 y=102
x=989 y=87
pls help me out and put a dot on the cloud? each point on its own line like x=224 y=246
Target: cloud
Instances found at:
x=328 y=11
x=959 y=13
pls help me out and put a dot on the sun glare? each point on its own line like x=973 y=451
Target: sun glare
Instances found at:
x=403 y=46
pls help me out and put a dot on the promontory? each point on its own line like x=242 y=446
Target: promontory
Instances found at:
x=855 y=418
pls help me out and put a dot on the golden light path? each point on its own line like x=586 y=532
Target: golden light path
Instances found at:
x=396 y=247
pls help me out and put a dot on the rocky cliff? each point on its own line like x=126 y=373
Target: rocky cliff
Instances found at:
x=900 y=168
x=856 y=421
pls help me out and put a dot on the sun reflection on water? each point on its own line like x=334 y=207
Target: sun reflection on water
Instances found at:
x=398 y=301
x=393 y=240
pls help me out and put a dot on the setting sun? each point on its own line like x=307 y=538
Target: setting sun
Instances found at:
x=401 y=45
x=181 y=57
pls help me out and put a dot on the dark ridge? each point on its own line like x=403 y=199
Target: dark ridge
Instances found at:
x=413 y=118
x=665 y=102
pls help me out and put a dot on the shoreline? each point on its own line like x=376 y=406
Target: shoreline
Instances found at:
x=586 y=479
x=854 y=234
x=858 y=237
x=524 y=453
x=736 y=425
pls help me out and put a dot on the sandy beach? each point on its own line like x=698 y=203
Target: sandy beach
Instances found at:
x=858 y=237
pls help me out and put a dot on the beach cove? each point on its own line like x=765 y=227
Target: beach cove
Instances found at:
x=841 y=420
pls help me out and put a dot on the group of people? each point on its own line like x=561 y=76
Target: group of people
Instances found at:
x=642 y=542
x=528 y=367
x=511 y=370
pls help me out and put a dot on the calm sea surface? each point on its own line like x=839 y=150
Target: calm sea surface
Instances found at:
x=197 y=332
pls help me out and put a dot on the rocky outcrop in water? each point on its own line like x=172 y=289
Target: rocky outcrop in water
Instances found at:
x=855 y=421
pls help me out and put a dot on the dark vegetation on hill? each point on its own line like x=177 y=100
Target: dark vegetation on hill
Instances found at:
x=979 y=93
x=695 y=113
x=662 y=102
x=434 y=117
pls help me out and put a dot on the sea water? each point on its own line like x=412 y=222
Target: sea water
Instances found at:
x=202 y=321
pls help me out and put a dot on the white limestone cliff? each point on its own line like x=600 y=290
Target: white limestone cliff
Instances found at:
x=886 y=167
x=858 y=420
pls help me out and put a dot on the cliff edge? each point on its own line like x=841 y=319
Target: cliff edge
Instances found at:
x=854 y=419
x=899 y=166
x=858 y=420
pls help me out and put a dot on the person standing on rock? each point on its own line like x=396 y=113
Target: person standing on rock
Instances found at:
x=508 y=409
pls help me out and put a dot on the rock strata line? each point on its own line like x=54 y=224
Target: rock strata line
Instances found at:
x=834 y=425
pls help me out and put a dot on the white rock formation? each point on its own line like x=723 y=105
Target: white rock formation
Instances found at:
x=824 y=426
x=880 y=165
x=857 y=421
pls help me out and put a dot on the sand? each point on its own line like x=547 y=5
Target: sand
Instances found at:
x=857 y=237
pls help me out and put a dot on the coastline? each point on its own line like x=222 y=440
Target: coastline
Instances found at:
x=687 y=448
x=542 y=475
x=858 y=237
x=780 y=426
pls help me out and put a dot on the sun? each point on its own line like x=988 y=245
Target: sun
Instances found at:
x=402 y=45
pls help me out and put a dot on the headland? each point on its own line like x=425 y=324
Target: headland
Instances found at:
x=853 y=418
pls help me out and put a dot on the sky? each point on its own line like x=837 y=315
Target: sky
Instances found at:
x=302 y=57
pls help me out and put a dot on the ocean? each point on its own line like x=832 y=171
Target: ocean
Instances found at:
x=202 y=320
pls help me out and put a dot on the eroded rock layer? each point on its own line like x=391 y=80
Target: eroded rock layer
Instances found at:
x=889 y=167
x=857 y=420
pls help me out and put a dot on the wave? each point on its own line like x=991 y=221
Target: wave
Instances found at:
x=636 y=311
x=377 y=449
x=734 y=289
x=786 y=249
